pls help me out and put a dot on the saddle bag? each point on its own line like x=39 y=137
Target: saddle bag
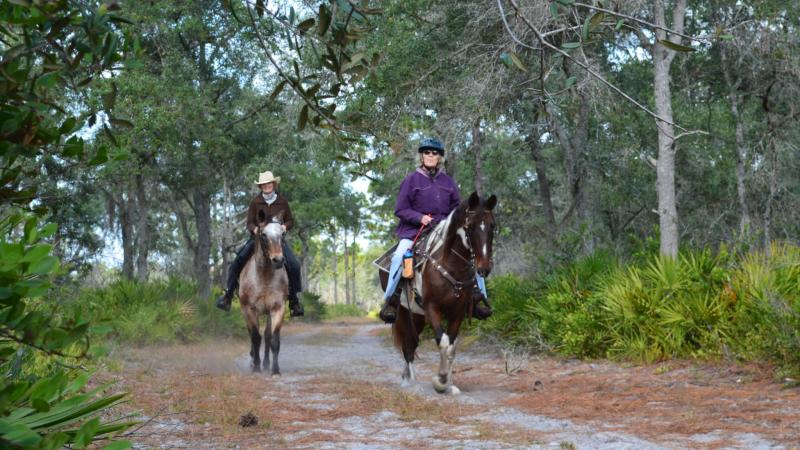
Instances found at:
x=408 y=265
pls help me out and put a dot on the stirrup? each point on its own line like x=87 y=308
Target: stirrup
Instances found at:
x=479 y=311
x=224 y=303
x=296 y=309
x=388 y=312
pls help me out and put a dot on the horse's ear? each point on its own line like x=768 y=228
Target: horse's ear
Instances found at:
x=491 y=203
x=262 y=216
x=278 y=217
x=473 y=201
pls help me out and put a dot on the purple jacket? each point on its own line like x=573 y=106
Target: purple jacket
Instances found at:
x=420 y=195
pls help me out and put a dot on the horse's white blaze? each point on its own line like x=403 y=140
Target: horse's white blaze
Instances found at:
x=483 y=250
x=273 y=230
x=445 y=342
x=463 y=235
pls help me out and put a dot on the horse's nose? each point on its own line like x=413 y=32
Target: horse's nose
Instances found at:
x=277 y=261
x=484 y=271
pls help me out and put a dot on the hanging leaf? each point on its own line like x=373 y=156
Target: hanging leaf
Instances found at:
x=111 y=137
x=277 y=91
x=570 y=45
x=324 y=19
x=675 y=46
x=110 y=98
x=592 y=23
x=517 y=62
x=306 y=25
x=303 y=119
x=554 y=10
x=260 y=8
x=620 y=23
x=313 y=90
x=121 y=123
x=571 y=81
x=102 y=152
x=506 y=58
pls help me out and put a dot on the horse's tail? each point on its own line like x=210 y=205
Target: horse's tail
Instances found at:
x=397 y=331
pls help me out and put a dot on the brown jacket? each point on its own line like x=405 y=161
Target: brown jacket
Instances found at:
x=280 y=205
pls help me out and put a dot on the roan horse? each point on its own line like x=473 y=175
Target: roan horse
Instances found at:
x=457 y=248
x=263 y=288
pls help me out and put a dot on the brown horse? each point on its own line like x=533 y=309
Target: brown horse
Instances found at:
x=263 y=288
x=455 y=250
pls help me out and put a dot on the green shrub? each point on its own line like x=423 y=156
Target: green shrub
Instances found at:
x=156 y=312
x=338 y=311
x=509 y=294
x=568 y=312
x=314 y=308
x=668 y=308
x=766 y=294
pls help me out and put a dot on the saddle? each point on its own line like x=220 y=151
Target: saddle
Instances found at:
x=384 y=263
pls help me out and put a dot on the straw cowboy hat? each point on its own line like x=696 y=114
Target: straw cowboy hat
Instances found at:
x=267 y=177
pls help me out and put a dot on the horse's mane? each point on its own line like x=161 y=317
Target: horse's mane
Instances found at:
x=445 y=231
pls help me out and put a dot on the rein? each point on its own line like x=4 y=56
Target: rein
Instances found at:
x=458 y=286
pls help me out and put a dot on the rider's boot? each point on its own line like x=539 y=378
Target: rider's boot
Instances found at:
x=295 y=308
x=224 y=301
x=388 y=312
x=479 y=311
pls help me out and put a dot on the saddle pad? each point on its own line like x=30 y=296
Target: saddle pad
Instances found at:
x=385 y=260
x=415 y=308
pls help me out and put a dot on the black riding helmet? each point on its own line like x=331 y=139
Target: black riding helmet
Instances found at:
x=431 y=143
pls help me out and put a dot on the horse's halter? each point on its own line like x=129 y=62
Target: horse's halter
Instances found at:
x=463 y=232
x=271 y=231
x=465 y=229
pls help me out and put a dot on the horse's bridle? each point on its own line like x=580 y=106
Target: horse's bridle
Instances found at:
x=458 y=286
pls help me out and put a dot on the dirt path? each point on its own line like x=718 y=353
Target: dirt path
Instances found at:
x=341 y=388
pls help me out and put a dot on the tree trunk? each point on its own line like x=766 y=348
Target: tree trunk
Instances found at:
x=665 y=166
x=128 y=238
x=347 y=298
x=741 y=148
x=142 y=229
x=335 y=267
x=202 y=210
x=304 y=255
x=353 y=254
x=544 y=183
x=772 y=158
x=477 y=146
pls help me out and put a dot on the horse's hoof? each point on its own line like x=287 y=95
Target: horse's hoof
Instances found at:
x=438 y=386
x=453 y=390
x=275 y=375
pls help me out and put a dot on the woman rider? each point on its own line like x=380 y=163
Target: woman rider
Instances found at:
x=427 y=196
x=274 y=205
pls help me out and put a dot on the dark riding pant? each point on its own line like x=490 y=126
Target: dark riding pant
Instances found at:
x=243 y=255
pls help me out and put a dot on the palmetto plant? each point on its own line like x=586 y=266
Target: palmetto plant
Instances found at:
x=671 y=307
x=53 y=412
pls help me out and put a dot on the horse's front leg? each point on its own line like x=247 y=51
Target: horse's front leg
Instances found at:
x=251 y=319
x=450 y=353
x=267 y=340
x=440 y=380
x=276 y=321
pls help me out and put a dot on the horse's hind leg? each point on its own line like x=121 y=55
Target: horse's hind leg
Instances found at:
x=407 y=330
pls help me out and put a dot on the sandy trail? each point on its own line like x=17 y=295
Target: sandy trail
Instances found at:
x=341 y=388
